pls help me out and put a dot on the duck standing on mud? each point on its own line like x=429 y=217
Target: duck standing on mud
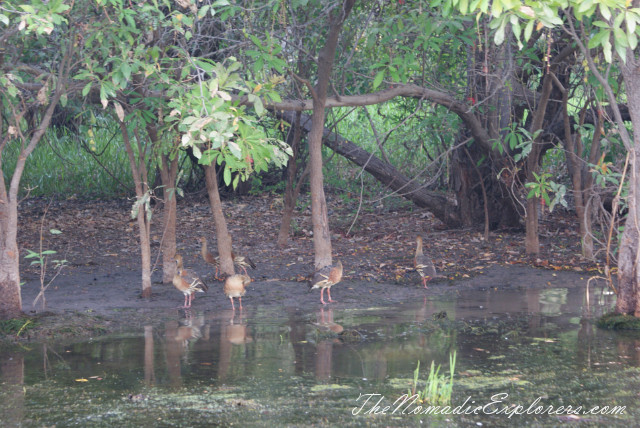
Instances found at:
x=423 y=264
x=325 y=278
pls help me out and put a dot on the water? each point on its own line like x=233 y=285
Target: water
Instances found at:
x=273 y=366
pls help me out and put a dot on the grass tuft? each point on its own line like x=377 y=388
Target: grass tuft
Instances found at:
x=438 y=388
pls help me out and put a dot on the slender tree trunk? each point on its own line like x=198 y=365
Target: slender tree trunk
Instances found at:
x=321 y=233
x=532 y=242
x=291 y=191
x=168 y=172
x=222 y=233
x=581 y=179
x=10 y=297
x=139 y=173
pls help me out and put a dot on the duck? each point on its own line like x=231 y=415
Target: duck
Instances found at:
x=235 y=286
x=423 y=264
x=325 y=278
x=187 y=282
x=207 y=256
x=238 y=260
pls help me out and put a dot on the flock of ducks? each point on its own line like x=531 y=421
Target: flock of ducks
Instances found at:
x=189 y=283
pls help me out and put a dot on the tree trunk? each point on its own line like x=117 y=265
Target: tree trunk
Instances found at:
x=581 y=179
x=168 y=172
x=139 y=173
x=469 y=196
x=628 y=261
x=321 y=233
x=11 y=300
x=532 y=241
x=291 y=192
x=222 y=233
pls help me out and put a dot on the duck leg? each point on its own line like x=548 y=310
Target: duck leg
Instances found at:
x=329 y=293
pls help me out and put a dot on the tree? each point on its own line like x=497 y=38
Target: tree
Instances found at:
x=611 y=26
x=30 y=91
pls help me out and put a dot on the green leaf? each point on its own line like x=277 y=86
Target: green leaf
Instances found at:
x=227 y=175
x=48 y=252
x=31 y=254
x=378 y=79
x=630 y=20
x=55 y=231
x=598 y=39
x=605 y=11
x=499 y=36
x=606 y=49
x=125 y=68
x=203 y=11
x=528 y=29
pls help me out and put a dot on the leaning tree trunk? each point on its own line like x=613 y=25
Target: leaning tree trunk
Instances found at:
x=321 y=233
x=222 y=233
x=411 y=189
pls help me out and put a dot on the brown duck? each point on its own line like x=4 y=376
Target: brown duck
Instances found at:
x=234 y=286
x=423 y=264
x=240 y=261
x=187 y=282
x=325 y=278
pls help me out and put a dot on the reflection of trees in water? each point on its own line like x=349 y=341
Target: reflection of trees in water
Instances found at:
x=12 y=375
x=149 y=367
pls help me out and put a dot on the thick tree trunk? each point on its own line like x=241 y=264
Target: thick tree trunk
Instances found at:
x=469 y=194
x=321 y=233
x=629 y=259
x=222 y=233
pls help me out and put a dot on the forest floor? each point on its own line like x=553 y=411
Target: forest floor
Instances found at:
x=102 y=278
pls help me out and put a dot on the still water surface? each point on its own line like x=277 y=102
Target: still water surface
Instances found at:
x=270 y=366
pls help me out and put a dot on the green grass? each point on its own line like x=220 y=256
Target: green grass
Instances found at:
x=62 y=165
x=75 y=165
x=16 y=326
x=438 y=388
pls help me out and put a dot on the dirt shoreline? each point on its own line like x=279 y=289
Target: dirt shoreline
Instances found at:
x=103 y=278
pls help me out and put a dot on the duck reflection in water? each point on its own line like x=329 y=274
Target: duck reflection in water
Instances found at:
x=232 y=332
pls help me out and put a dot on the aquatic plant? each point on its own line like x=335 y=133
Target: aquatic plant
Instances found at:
x=438 y=388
